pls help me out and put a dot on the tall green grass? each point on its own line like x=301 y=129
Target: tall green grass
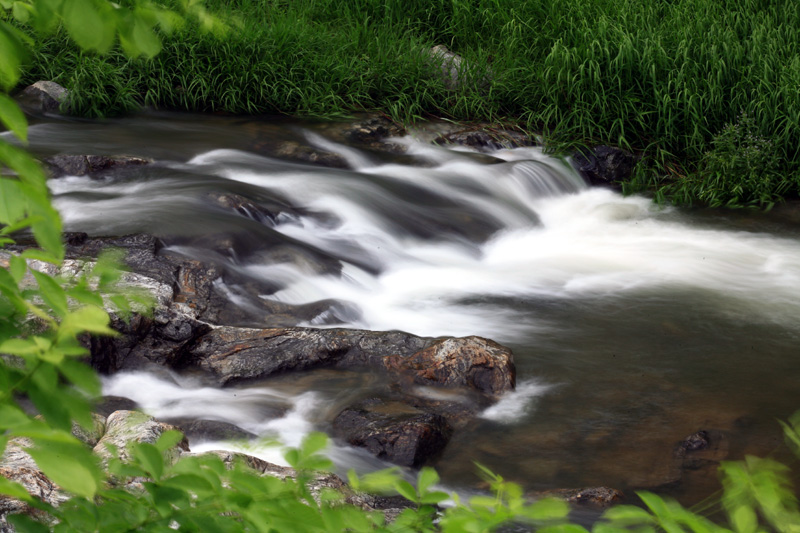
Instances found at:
x=662 y=78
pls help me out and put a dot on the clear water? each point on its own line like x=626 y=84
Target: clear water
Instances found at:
x=633 y=326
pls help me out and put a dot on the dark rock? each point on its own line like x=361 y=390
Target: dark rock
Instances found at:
x=44 y=97
x=301 y=258
x=93 y=166
x=210 y=430
x=699 y=450
x=394 y=432
x=300 y=153
x=487 y=139
x=244 y=206
x=108 y=404
x=696 y=441
x=604 y=165
x=596 y=497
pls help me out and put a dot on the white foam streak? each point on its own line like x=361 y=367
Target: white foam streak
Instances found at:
x=517 y=404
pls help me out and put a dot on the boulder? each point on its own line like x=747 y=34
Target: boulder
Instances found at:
x=44 y=97
x=108 y=404
x=394 y=432
x=94 y=166
x=90 y=436
x=605 y=165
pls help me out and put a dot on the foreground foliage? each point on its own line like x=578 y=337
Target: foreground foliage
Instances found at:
x=42 y=317
x=663 y=78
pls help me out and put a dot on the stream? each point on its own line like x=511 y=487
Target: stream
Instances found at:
x=633 y=325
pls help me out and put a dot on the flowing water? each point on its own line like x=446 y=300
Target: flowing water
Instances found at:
x=633 y=325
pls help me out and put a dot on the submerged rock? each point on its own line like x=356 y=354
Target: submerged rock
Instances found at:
x=90 y=165
x=596 y=497
x=394 y=432
x=210 y=430
x=301 y=153
x=605 y=165
x=372 y=131
x=44 y=97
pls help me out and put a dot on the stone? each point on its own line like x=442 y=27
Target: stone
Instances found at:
x=301 y=153
x=90 y=436
x=210 y=430
x=108 y=404
x=394 y=432
x=373 y=130
x=124 y=427
x=44 y=97
x=595 y=497
x=486 y=139
x=470 y=361
x=605 y=165
x=94 y=166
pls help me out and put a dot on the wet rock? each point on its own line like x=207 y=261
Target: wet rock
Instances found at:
x=470 y=361
x=94 y=166
x=299 y=258
x=394 y=432
x=244 y=206
x=124 y=427
x=300 y=153
x=699 y=450
x=595 y=497
x=108 y=404
x=44 y=97
x=486 y=139
x=210 y=430
x=605 y=165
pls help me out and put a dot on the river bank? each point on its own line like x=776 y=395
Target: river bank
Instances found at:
x=711 y=111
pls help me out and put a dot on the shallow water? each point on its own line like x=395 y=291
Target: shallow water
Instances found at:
x=633 y=326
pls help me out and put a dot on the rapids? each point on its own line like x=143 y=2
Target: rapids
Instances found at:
x=633 y=325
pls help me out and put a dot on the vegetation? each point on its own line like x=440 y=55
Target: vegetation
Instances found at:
x=662 y=78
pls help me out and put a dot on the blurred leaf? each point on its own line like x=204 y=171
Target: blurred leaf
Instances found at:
x=13 y=52
x=51 y=292
x=426 y=478
x=12 y=116
x=406 y=490
x=12 y=417
x=13 y=203
x=91 y=24
x=91 y=319
x=168 y=440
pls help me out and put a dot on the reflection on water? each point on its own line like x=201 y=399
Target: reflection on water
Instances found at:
x=633 y=325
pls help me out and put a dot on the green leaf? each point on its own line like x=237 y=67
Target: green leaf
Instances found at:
x=25 y=523
x=91 y=319
x=12 y=417
x=149 y=458
x=426 y=478
x=12 y=56
x=548 y=509
x=22 y=11
x=18 y=267
x=12 y=116
x=19 y=347
x=13 y=203
x=14 y=489
x=629 y=515
x=51 y=292
x=191 y=482
x=434 y=497
x=81 y=375
x=72 y=466
x=406 y=490
x=91 y=24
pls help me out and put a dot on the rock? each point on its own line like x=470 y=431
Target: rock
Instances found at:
x=372 y=131
x=486 y=139
x=300 y=153
x=244 y=206
x=44 y=97
x=93 y=166
x=604 y=165
x=448 y=66
x=123 y=427
x=108 y=404
x=699 y=450
x=17 y=465
x=91 y=436
x=210 y=430
x=300 y=258
x=470 y=361
x=596 y=497
x=394 y=432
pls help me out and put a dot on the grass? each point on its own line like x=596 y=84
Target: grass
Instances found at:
x=663 y=78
